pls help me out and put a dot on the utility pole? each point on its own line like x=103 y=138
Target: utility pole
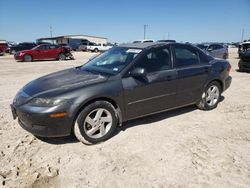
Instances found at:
x=242 y=35
x=50 y=30
x=145 y=27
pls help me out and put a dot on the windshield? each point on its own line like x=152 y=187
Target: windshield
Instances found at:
x=112 y=61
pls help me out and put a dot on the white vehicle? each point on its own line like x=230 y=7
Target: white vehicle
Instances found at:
x=93 y=47
x=143 y=41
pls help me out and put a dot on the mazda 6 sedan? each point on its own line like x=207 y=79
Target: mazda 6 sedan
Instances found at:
x=123 y=83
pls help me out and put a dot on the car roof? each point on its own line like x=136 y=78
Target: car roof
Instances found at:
x=144 y=45
x=247 y=42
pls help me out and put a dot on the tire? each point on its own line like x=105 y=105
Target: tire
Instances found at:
x=96 y=123
x=27 y=58
x=96 y=50
x=62 y=57
x=241 y=68
x=210 y=97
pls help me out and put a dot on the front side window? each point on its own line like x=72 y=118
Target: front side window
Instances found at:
x=155 y=60
x=185 y=56
x=112 y=61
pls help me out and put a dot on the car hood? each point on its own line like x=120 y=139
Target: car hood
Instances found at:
x=62 y=80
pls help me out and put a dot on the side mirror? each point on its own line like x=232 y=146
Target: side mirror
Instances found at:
x=138 y=72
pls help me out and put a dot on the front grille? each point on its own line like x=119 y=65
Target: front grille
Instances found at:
x=21 y=98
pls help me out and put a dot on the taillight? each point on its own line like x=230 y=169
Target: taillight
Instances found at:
x=229 y=67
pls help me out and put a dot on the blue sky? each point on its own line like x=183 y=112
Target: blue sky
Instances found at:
x=122 y=21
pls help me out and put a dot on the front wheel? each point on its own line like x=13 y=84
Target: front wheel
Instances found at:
x=95 y=123
x=27 y=58
x=210 y=97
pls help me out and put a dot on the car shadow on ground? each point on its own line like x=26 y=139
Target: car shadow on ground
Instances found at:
x=143 y=121
x=156 y=117
x=242 y=71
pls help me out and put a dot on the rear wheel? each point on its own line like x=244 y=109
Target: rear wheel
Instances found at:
x=95 y=123
x=62 y=57
x=27 y=58
x=96 y=50
x=210 y=97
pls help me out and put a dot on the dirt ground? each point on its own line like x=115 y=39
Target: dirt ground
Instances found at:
x=181 y=148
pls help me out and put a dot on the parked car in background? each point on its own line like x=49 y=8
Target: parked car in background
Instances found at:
x=243 y=47
x=65 y=46
x=42 y=52
x=244 y=55
x=22 y=46
x=166 y=41
x=76 y=43
x=124 y=83
x=83 y=46
x=143 y=41
x=3 y=46
x=215 y=50
x=93 y=47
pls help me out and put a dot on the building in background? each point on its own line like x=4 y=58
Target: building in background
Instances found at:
x=74 y=41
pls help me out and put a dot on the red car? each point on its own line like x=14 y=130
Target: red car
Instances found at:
x=3 y=46
x=44 y=51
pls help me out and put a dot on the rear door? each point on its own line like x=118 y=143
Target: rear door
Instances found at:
x=154 y=92
x=192 y=72
x=53 y=51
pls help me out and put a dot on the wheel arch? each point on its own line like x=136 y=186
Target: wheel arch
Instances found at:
x=107 y=99
x=217 y=80
x=29 y=55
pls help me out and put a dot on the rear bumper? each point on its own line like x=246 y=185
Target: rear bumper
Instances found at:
x=228 y=82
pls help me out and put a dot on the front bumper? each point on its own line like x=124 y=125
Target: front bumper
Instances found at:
x=18 y=57
x=37 y=121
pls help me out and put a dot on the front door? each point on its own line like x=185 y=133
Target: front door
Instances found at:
x=154 y=92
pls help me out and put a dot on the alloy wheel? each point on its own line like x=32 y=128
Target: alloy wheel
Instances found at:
x=212 y=95
x=97 y=123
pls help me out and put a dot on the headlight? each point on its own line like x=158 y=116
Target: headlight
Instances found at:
x=45 y=102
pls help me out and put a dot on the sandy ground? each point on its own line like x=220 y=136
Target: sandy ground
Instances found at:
x=180 y=148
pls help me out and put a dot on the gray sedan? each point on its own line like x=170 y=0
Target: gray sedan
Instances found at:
x=215 y=50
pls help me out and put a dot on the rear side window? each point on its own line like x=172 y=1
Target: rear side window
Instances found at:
x=185 y=56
